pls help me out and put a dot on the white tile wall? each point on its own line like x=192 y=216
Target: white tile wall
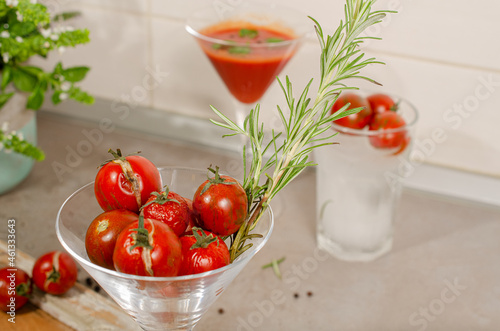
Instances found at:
x=441 y=55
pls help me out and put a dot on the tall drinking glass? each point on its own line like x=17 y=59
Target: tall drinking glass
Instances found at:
x=358 y=187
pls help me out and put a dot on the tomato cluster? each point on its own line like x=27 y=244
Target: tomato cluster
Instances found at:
x=379 y=113
x=149 y=230
x=54 y=273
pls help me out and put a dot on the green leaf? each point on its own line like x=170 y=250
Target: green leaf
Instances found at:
x=248 y=33
x=6 y=76
x=21 y=29
x=239 y=50
x=35 y=100
x=66 y=16
x=56 y=97
x=14 y=143
x=4 y=97
x=274 y=40
x=23 y=80
x=75 y=74
x=81 y=96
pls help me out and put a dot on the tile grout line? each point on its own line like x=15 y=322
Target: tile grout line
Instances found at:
x=436 y=61
x=150 y=46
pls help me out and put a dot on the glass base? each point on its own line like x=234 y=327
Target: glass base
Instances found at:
x=354 y=254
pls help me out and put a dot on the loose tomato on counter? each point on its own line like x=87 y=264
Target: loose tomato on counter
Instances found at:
x=126 y=182
x=202 y=251
x=102 y=233
x=55 y=272
x=148 y=247
x=358 y=120
x=220 y=204
x=15 y=288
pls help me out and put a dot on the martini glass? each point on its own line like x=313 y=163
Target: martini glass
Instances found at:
x=155 y=303
x=248 y=64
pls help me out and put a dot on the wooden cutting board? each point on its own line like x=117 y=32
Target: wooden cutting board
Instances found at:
x=78 y=309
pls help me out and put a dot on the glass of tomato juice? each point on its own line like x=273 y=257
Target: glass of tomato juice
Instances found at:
x=155 y=303
x=358 y=185
x=248 y=44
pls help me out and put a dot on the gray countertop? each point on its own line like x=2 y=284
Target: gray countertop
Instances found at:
x=442 y=274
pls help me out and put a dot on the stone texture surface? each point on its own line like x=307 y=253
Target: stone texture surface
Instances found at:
x=442 y=274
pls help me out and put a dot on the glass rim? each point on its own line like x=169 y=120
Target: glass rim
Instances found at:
x=239 y=260
x=367 y=132
x=297 y=37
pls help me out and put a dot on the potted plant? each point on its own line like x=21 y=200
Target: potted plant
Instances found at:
x=27 y=30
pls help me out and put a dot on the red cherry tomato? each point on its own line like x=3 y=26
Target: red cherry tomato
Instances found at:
x=101 y=235
x=386 y=121
x=126 y=182
x=193 y=220
x=220 y=203
x=15 y=289
x=55 y=272
x=381 y=103
x=354 y=121
x=170 y=208
x=148 y=248
x=202 y=251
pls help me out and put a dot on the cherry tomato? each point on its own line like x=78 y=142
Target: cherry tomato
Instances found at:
x=15 y=288
x=126 y=182
x=148 y=248
x=102 y=233
x=220 y=203
x=354 y=121
x=55 y=272
x=381 y=103
x=202 y=251
x=193 y=220
x=386 y=121
x=168 y=207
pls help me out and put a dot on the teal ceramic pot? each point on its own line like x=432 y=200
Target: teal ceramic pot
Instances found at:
x=14 y=167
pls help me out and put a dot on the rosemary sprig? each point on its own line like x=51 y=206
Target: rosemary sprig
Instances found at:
x=340 y=59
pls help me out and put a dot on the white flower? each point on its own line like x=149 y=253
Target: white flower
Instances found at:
x=33 y=2
x=45 y=32
x=5 y=34
x=5 y=57
x=61 y=49
x=12 y=3
x=19 y=39
x=63 y=96
x=46 y=44
x=20 y=135
x=54 y=36
x=19 y=16
x=65 y=86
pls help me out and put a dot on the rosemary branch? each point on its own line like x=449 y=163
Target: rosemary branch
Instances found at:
x=340 y=59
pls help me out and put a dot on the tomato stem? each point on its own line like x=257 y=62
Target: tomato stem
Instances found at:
x=141 y=237
x=217 y=179
x=203 y=240
x=23 y=289
x=54 y=275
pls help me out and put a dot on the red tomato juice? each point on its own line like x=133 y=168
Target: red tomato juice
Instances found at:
x=252 y=64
